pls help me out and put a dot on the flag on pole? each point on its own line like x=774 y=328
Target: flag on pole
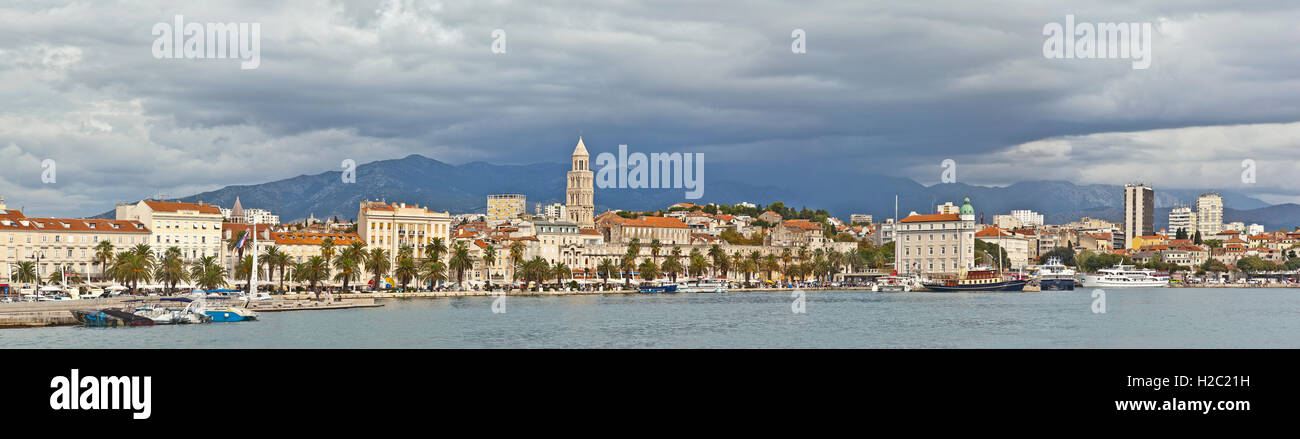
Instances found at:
x=241 y=240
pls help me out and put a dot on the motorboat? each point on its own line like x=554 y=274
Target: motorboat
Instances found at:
x=110 y=317
x=655 y=287
x=892 y=284
x=703 y=286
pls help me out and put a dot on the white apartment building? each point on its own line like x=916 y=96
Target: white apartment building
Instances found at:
x=391 y=226
x=195 y=228
x=1028 y=218
x=1209 y=214
x=1139 y=212
x=552 y=212
x=939 y=243
x=1182 y=218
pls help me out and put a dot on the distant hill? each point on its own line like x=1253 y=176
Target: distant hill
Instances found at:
x=464 y=189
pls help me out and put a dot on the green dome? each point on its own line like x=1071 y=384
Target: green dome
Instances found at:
x=966 y=208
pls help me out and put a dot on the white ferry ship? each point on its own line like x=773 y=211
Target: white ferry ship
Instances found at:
x=1055 y=276
x=1126 y=276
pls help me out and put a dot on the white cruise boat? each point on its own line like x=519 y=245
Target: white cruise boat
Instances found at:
x=1125 y=276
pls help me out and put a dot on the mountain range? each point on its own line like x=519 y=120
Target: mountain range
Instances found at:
x=464 y=188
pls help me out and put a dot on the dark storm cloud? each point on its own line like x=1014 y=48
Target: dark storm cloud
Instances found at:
x=885 y=87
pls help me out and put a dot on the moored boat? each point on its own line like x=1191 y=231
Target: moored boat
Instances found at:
x=231 y=314
x=1126 y=276
x=1055 y=276
x=703 y=286
x=657 y=288
x=976 y=281
x=892 y=284
x=110 y=317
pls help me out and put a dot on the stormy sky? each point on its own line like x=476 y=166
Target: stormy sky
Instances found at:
x=889 y=88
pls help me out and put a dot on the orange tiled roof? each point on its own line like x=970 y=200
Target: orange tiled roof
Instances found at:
x=306 y=238
x=176 y=206
x=802 y=224
x=931 y=218
x=651 y=221
x=74 y=225
x=589 y=232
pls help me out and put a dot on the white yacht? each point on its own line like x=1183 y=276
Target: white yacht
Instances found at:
x=702 y=286
x=1126 y=276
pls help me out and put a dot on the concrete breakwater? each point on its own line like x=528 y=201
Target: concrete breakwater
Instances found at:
x=58 y=313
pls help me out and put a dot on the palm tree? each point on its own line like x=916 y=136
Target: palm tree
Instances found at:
x=103 y=253
x=561 y=272
x=171 y=269
x=749 y=265
x=348 y=263
x=769 y=265
x=377 y=262
x=207 y=273
x=131 y=267
x=697 y=263
x=516 y=256
x=655 y=245
x=234 y=244
x=406 y=270
x=313 y=271
x=718 y=256
x=785 y=260
x=245 y=271
x=634 y=248
x=26 y=272
x=435 y=249
x=538 y=270
x=628 y=265
x=460 y=262
x=606 y=268
x=489 y=258
x=432 y=270
x=673 y=264
x=649 y=270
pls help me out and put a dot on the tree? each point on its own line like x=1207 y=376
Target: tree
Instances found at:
x=432 y=271
x=133 y=266
x=649 y=270
x=348 y=263
x=770 y=265
x=103 y=253
x=697 y=263
x=1064 y=254
x=516 y=257
x=561 y=272
x=1181 y=234
x=1215 y=265
x=749 y=266
x=313 y=271
x=207 y=273
x=26 y=272
x=673 y=264
x=719 y=258
x=435 y=249
x=1213 y=243
x=1255 y=264
x=489 y=258
x=244 y=270
x=628 y=266
x=171 y=269
x=377 y=262
x=606 y=268
x=655 y=245
x=460 y=262
x=406 y=270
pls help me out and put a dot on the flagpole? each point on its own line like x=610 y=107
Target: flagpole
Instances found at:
x=252 y=282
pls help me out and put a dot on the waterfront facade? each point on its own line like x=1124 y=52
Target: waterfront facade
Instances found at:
x=937 y=243
x=1139 y=212
x=392 y=225
x=579 y=194
x=62 y=242
x=195 y=228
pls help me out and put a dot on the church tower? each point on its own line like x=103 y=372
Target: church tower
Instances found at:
x=579 y=194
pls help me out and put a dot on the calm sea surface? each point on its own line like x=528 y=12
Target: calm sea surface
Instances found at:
x=1134 y=318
